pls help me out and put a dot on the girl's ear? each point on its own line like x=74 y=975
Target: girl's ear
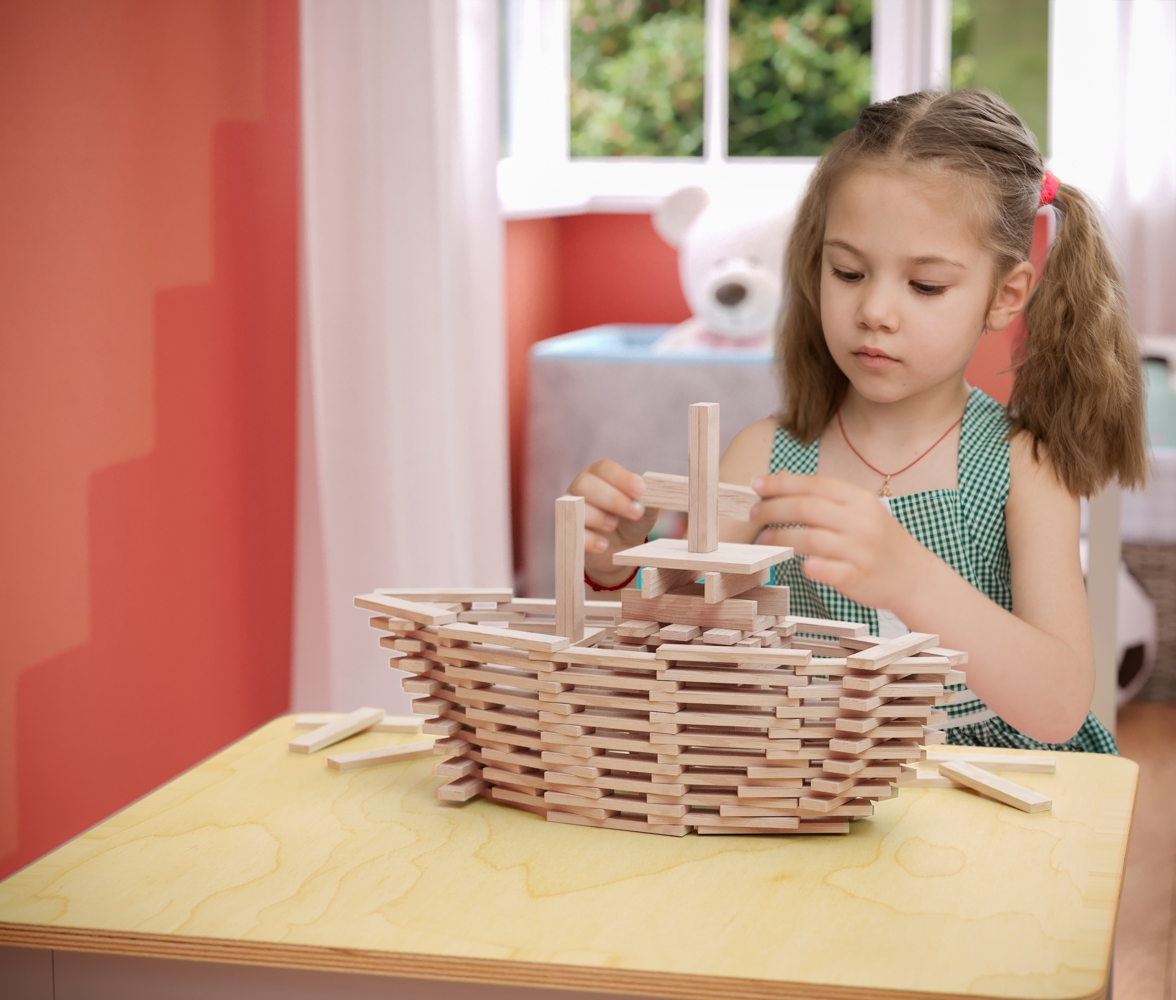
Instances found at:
x=1012 y=295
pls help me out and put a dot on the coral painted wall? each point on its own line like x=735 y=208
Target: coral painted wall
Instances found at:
x=148 y=266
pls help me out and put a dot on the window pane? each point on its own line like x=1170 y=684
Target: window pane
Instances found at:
x=799 y=74
x=1003 y=46
x=637 y=77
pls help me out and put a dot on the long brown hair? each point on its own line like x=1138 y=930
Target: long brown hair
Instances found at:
x=1077 y=390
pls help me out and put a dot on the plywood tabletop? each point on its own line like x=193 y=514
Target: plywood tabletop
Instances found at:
x=267 y=857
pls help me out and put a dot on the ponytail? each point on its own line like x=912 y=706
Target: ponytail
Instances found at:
x=1078 y=390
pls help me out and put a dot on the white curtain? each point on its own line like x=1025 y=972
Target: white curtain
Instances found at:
x=403 y=444
x=1113 y=134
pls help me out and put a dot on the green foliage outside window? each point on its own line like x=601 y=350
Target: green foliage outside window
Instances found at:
x=799 y=74
x=637 y=77
x=1003 y=46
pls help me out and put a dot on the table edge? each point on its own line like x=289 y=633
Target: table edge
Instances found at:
x=493 y=971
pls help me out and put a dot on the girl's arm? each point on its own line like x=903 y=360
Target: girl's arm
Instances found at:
x=1034 y=667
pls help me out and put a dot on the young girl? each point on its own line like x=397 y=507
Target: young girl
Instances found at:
x=911 y=499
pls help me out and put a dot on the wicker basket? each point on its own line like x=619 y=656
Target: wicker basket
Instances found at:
x=1154 y=566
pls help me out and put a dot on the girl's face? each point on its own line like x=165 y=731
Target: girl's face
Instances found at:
x=905 y=286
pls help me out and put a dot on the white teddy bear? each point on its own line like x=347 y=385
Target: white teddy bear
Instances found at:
x=730 y=261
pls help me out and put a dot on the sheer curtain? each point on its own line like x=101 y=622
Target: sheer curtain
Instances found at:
x=403 y=446
x=1113 y=134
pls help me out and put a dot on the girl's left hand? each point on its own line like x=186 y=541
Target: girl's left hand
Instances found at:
x=852 y=543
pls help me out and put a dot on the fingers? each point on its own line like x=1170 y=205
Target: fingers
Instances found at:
x=618 y=476
x=594 y=542
x=813 y=512
x=606 y=497
x=812 y=542
x=789 y=484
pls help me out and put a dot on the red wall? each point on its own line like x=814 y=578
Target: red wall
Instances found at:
x=148 y=263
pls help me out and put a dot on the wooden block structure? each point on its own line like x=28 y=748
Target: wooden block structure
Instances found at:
x=705 y=707
x=703 y=514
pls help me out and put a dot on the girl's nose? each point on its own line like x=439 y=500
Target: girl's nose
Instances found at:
x=878 y=308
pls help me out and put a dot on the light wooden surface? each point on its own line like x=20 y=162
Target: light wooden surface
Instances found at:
x=267 y=857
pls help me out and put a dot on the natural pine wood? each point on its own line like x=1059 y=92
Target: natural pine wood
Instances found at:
x=265 y=857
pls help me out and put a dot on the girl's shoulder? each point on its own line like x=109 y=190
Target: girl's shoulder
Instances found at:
x=790 y=454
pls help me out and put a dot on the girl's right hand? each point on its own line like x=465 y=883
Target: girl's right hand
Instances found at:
x=614 y=519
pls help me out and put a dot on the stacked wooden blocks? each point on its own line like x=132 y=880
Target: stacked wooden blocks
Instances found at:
x=694 y=703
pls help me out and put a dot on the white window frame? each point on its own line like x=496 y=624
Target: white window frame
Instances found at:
x=911 y=46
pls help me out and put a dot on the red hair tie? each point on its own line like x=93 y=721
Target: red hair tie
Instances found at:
x=1049 y=187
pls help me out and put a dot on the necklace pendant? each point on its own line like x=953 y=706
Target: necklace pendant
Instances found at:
x=884 y=491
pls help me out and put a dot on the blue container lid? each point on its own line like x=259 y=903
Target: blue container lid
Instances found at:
x=634 y=342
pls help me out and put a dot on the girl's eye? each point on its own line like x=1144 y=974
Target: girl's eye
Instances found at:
x=924 y=289
x=849 y=276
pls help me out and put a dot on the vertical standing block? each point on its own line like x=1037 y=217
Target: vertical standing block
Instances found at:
x=569 y=567
x=703 y=524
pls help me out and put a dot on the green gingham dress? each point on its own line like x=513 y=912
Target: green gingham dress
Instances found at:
x=966 y=529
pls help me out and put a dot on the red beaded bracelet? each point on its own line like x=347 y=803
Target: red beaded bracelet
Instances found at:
x=620 y=586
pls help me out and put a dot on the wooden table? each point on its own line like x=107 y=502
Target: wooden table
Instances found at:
x=267 y=858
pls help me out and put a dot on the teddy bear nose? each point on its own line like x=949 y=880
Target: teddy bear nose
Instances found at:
x=731 y=294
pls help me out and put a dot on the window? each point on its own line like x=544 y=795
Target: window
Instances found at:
x=1003 y=46
x=612 y=104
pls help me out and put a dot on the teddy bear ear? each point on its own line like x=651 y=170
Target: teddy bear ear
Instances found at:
x=677 y=212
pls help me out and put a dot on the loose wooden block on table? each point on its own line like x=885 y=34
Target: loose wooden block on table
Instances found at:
x=1001 y=789
x=336 y=730
x=388 y=724
x=379 y=755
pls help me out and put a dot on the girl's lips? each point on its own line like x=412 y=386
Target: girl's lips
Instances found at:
x=874 y=359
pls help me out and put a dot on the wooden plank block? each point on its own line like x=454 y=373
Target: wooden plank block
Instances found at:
x=455 y=768
x=1000 y=789
x=824 y=626
x=339 y=729
x=679 y=633
x=492 y=616
x=721 y=636
x=617 y=823
x=837 y=667
x=924 y=778
x=668 y=492
x=702 y=528
x=729 y=557
x=770 y=600
x=450 y=595
x=503 y=637
x=623 y=659
x=997 y=762
x=461 y=789
x=569 y=567
x=422 y=614
x=380 y=755
x=738 y=822
x=887 y=652
x=655 y=582
x=636 y=628
x=688 y=606
x=731 y=654
x=388 y=724
x=720 y=586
